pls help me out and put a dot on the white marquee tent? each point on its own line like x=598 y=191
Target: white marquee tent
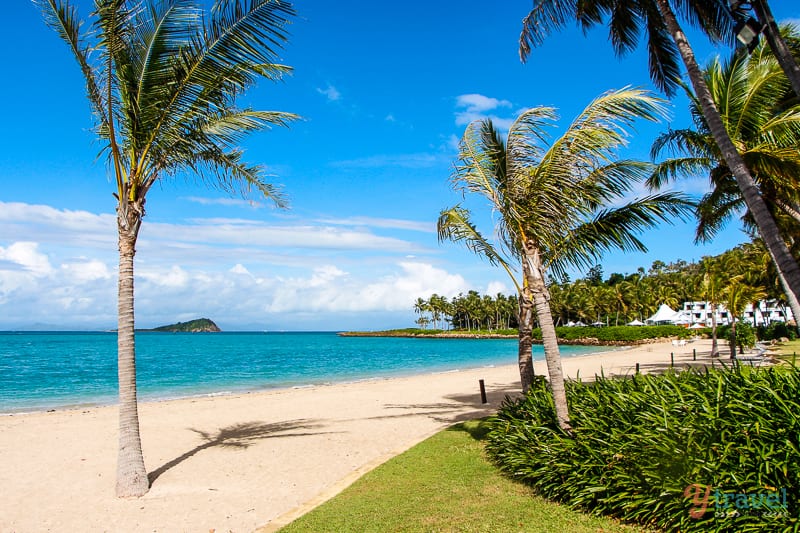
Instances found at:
x=663 y=315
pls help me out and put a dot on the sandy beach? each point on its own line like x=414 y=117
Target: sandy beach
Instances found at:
x=245 y=462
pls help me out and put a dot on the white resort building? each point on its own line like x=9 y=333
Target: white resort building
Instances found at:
x=763 y=314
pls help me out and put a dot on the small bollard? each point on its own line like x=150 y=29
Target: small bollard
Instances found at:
x=637 y=368
x=483 y=391
x=694 y=354
x=672 y=359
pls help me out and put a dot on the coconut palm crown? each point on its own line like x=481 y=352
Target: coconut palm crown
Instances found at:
x=162 y=78
x=553 y=201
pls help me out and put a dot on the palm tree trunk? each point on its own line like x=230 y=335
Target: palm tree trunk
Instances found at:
x=131 y=473
x=525 y=354
x=769 y=231
x=777 y=44
x=733 y=339
x=549 y=338
x=714 y=347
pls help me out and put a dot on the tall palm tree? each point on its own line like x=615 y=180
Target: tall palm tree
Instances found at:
x=736 y=295
x=551 y=199
x=666 y=42
x=162 y=79
x=778 y=44
x=750 y=95
x=712 y=286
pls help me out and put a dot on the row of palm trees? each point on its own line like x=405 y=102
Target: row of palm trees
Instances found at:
x=553 y=197
x=467 y=312
x=740 y=276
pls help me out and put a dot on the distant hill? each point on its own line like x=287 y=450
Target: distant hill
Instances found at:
x=201 y=325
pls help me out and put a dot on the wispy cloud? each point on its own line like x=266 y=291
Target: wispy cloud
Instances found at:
x=391 y=223
x=330 y=92
x=420 y=160
x=234 y=202
x=235 y=270
x=472 y=107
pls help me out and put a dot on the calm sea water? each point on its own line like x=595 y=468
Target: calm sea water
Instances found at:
x=41 y=370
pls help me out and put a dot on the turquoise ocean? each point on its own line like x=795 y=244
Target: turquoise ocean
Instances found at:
x=51 y=370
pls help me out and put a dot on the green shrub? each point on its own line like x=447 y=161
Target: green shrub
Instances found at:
x=777 y=330
x=618 y=333
x=639 y=445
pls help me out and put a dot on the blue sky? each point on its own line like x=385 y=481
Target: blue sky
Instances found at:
x=385 y=91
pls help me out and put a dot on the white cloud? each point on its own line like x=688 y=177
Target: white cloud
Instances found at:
x=473 y=107
x=390 y=118
x=242 y=271
x=332 y=290
x=27 y=256
x=234 y=202
x=330 y=92
x=477 y=103
x=87 y=271
x=393 y=223
x=495 y=287
x=239 y=269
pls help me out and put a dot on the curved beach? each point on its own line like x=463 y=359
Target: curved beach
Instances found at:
x=252 y=461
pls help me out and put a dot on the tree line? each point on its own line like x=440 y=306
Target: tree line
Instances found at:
x=740 y=276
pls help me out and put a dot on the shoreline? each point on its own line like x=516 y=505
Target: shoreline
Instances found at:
x=245 y=461
x=145 y=398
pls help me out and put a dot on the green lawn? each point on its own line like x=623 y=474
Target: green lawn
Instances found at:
x=786 y=350
x=445 y=484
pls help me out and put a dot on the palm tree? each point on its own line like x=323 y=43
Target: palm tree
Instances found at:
x=162 y=79
x=736 y=295
x=712 y=286
x=750 y=93
x=777 y=43
x=667 y=41
x=551 y=200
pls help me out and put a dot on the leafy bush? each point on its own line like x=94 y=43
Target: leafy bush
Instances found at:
x=745 y=335
x=777 y=330
x=641 y=445
x=618 y=333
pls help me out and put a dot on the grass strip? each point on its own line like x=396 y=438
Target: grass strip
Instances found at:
x=445 y=484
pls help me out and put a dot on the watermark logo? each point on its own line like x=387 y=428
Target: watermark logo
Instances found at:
x=770 y=502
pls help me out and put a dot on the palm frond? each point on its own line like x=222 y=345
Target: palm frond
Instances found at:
x=617 y=228
x=545 y=17
x=454 y=225
x=62 y=17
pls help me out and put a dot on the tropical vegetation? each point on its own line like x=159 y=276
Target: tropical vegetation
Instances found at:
x=742 y=275
x=762 y=115
x=689 y=451
x=666 y=43
x=553 y=203
x=162 y=79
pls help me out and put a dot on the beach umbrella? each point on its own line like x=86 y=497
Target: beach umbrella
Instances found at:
x=697 y=326
x=636 y=322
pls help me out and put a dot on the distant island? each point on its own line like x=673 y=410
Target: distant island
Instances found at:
x=200 y=325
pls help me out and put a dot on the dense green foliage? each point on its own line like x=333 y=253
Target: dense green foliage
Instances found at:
x=445 y=484
x=618 y=333
x=641 y=445
x=616 y=300
x=776 y=331
x=192 y=326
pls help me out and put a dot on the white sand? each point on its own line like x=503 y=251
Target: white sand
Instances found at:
x=237 y=463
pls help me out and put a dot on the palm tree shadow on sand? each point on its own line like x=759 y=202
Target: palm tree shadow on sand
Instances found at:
x=240 y=436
